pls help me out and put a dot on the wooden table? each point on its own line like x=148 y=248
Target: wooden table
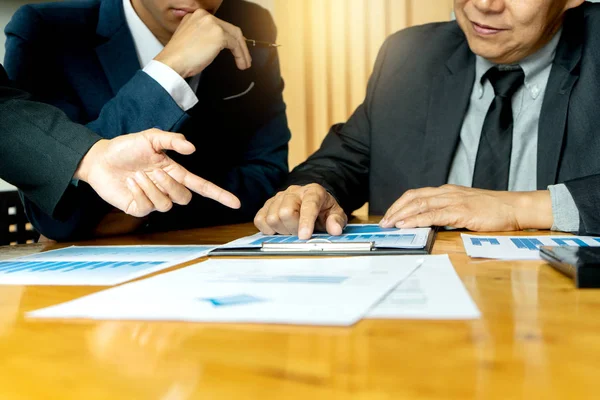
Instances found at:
x=539 y=338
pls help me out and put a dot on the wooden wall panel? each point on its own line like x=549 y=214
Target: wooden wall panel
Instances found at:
x=328 y=51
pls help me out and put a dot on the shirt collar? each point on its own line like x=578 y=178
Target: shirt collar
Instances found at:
x=146 y=44
x=533 y=66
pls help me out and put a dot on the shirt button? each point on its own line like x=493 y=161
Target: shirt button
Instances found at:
x=535 y=91
x=480 y=92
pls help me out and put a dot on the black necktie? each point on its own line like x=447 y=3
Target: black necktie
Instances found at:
x=493 y=156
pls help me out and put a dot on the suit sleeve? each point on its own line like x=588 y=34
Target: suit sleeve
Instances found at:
x=341 y=165
x=586 y=194
x=40 y=147
x=29 y=62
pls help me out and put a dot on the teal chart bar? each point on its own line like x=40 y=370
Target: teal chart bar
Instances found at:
x=95 y=265
x=520 y=247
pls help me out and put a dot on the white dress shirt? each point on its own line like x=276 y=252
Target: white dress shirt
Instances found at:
x=147 y=48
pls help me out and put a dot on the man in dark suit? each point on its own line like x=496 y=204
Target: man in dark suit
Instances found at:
x=505 y=100
x=85 y=57
x=42 y=151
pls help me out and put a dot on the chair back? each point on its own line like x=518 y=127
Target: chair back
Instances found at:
x=14 y=225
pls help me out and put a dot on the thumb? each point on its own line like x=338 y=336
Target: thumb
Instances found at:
x=162 y=140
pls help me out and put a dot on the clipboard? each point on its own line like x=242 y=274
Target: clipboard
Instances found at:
x=320 y=247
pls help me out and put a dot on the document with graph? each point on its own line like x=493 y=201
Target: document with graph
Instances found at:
x=357 y=239
x=95 y=265
x=433 y=291
x=520 y=247
x=320 y=291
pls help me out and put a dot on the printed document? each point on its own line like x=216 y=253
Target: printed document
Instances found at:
x=324 y=291
x=432 y=291
x=95 y=265
x=520 y=247
x=382 y=238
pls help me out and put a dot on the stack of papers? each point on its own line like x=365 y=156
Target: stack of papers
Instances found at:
x=95 y=265
x=333 y=291
x=520 y=247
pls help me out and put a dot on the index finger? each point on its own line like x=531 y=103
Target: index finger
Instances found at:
x=210 y=190
x=312 y=202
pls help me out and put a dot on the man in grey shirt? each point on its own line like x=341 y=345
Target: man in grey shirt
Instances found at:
x=486 y=123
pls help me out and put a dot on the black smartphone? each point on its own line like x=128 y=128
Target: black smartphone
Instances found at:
x=582 y=264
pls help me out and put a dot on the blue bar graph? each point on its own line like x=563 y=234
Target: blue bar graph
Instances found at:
x=8 y=267
x=405 y=238
x=570 y=242
x=94 y=265
x=480 y=241
x=525 y=243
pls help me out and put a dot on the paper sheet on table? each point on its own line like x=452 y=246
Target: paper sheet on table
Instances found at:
x=432 y=291
x=324 y=291
x=520 y=247
x=382 y=238
x=95 y=265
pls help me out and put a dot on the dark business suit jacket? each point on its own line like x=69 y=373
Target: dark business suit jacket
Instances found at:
x=80 y=57
x=406 y=132
x=40 y=148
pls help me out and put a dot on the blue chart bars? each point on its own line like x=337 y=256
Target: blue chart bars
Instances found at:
x=407 y=239
x=94 y=265
x=64 y=266
x=524 y=243
x=480 y=241
x=570 y=242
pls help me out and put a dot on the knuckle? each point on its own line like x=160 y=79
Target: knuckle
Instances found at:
x=205 y=187
x=272 y=219
x=310 y=203
x=165 y=206
x=315 y=187
x=410 y=193
x=286 y=213
x=421 y=204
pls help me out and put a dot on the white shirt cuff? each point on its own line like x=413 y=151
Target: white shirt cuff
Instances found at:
x=173 y=83
x=564 y=209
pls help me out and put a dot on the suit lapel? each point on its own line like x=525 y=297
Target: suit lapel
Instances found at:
x=450 y=95
x=555 y=109
x=117 y=54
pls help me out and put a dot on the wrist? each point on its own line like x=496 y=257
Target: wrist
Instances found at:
x=88 y=161
x=534 y=210
x=173 y=63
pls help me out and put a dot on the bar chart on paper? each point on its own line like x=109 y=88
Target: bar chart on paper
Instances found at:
x=382 y=238
x=520 y=247
x=95 y=265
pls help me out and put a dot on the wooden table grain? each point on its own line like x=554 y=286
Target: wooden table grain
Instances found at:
x=539 y=338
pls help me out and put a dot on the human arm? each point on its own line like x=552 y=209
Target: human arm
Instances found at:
x=340 y=168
